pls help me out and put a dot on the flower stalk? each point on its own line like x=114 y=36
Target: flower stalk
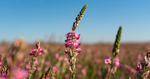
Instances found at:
x=114 y=62
x=72 y=42
x=47 y=74
x=143 y=68
x=79 y=17
x=35 y=53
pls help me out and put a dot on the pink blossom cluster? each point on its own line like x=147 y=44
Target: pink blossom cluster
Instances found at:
x=72 y=41
x=19 y=74
x=0 y=62
x=37 y=52
x=116 y=62
x=143 y=64
x=4 y=72
x=143 y=68
x=139 y=68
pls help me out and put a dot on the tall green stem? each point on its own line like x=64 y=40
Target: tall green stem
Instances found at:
x=32 y=67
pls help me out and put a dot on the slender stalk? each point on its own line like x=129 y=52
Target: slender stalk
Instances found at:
x=32 y=67
x=110 y=72
x=73 y=42
x=34 y=53
x=115 y=50
x=46 y=74
x=111 y=68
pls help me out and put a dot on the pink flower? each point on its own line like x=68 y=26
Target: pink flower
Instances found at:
x=77 y=36
x=139 y=57
x=108 y=60
x=20 y=74
x=69 y=42
x=32 y=51
x=38 y=68
x=117 y=63
x=97 y=61
x=45 y=51
x=79 y=66
x=47 y=63
x=99 y=73
x=127 y=67
x=66 y=51
x=66 y=76
x=133 y=71
x=36 y=51
x=56 y=55
x=27 y=66
x=54 y=69
x=78 y=50
x=139 y=67
x=72 y=33
x=0 y=63
x=78 y=76
x=83 y=71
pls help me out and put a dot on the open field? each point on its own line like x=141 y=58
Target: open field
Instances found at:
x=90 y=64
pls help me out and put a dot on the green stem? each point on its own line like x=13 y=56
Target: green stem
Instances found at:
x=72 y=64
x=110 y=71
x=111 y=67
x=32 y=67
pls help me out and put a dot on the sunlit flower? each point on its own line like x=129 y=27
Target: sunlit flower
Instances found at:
x=108 y=60
x=54 y=69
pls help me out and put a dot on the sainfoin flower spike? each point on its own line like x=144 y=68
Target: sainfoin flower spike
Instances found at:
x=34 y=53
x=114 y=62
x=115 y=50
x=38 y=51
x=143 y=68
x=72 y=42
x=79 y=17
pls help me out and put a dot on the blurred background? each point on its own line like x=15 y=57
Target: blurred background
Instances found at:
x=50 y=20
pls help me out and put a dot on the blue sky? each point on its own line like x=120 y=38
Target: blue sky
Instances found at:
x=40 y=19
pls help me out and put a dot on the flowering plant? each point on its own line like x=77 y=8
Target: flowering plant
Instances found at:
x=114 y=62
x=72 y=42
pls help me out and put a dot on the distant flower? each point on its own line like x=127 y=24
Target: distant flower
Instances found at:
x=108 y=60
x=133 y=71
x=54 y=69
x=99 y=73
x=47 y=63
x=56 y=55
x=83 y=71
x=79 y=66
x=19 y=74
x=45 y=51
x=38 y=68
x=79 y=76
x=28 y=66
x=98 y=61
x=66 y=76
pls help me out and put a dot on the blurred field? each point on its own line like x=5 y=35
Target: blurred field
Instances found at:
x=90 y=64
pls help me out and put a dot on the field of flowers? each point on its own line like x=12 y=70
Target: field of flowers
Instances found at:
x=90 y=64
